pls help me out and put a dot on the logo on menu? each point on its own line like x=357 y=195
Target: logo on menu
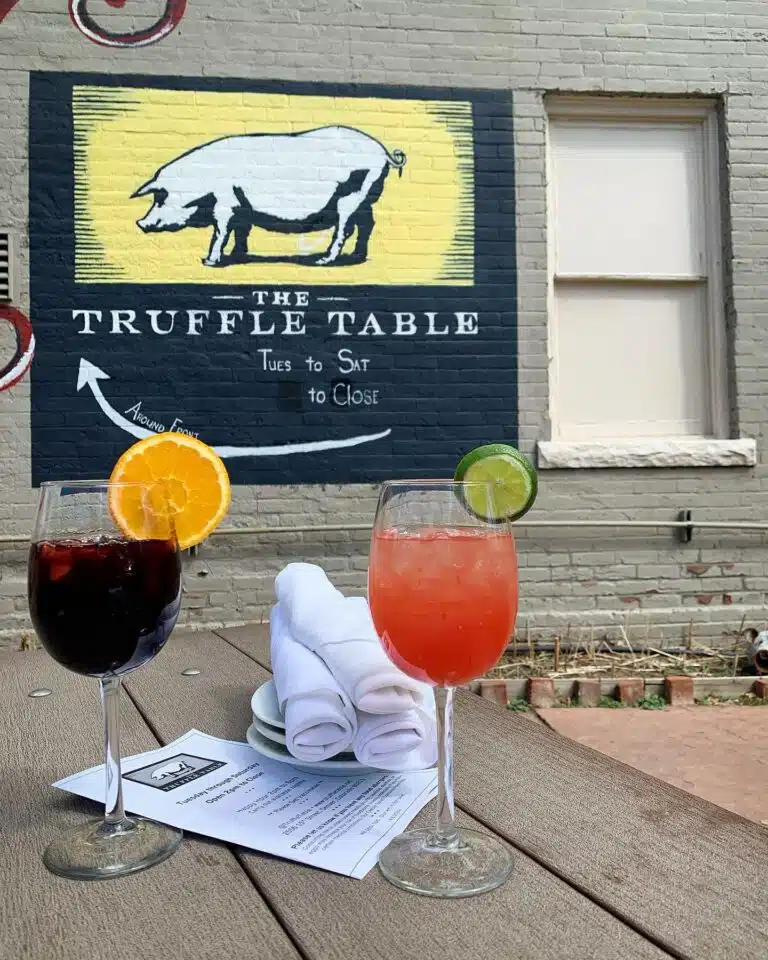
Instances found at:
x=175 y=772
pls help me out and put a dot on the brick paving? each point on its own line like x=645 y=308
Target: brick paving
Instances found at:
x=719 y=753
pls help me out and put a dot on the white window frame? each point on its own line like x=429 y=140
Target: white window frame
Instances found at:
x=715 y=450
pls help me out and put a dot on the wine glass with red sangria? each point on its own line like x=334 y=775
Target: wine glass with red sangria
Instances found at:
x=103 y=603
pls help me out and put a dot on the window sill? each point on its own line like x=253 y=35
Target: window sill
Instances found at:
x=683 y=452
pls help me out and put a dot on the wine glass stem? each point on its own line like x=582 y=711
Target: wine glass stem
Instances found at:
x=446 y=834
x=114 y=815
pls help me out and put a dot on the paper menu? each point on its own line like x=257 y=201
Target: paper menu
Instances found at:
x=225 y=790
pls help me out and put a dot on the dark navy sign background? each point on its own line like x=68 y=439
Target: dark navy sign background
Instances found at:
x=306 y=380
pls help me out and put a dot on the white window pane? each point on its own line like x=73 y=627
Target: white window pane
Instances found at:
x=631 y=361
x=628 y=199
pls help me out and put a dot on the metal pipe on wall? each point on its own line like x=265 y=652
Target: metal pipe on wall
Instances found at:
x=519 y=525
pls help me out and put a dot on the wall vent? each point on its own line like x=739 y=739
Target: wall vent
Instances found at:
x=6 y=266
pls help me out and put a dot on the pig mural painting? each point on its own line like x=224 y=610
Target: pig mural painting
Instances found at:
x=289 y=183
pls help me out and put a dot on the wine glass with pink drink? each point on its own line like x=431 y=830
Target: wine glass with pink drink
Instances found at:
x=443 y=590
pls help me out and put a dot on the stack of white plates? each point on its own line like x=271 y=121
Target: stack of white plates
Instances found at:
x=266 y=735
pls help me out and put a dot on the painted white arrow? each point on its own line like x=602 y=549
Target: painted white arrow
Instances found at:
x=89 y=374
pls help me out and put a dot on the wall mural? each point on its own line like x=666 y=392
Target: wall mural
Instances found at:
x=81 y=17
x=317 y=280
x=15 y=368
x=85 y=23
x=5 y=8
x=18 y=365
x=290 y=183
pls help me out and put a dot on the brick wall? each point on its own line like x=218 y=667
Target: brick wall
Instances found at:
x=646 y=581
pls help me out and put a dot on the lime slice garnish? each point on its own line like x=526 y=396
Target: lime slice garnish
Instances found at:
x=511 y=475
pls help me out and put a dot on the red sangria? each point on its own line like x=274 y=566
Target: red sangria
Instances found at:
x=104 y=586
x=104 y=599
x=104 y=606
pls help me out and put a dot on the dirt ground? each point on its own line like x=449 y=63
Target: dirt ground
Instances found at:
x=600 y=658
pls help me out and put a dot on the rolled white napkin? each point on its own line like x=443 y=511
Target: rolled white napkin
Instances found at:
x=400 y=741
x=340 y=630
x=320 y=720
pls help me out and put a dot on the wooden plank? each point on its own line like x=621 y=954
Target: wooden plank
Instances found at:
x=534 y=916
x=670 y=863
x=199 y=903
x=253 y=640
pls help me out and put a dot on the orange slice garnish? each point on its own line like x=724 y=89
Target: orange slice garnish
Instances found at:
x=190 y=479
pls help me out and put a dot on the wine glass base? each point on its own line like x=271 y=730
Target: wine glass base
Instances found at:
x=96 y=851
x=476 y=864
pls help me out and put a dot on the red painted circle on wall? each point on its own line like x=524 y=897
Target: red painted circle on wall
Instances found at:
x=82 y=19
x=15 y=369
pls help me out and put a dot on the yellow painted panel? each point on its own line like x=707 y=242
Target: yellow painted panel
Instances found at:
x=423 y=233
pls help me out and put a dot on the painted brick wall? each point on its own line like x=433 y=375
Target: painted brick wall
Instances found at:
x=642 y=583
x=363 y=367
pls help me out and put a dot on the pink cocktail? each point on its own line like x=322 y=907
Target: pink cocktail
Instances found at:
x=443 y=590
x=444 y=600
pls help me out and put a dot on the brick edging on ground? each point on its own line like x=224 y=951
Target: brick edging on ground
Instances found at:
x=678 y=691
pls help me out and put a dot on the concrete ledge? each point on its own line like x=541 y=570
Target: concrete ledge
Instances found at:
x=560 y=455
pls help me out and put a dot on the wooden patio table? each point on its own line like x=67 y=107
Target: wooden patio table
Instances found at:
x=610 y=864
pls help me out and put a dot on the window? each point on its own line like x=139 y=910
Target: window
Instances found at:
x=637 y=329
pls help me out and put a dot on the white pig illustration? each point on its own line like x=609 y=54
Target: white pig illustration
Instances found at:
x=171 y=770
x=289 y=183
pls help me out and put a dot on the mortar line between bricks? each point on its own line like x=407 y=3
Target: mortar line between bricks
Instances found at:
x=521 y=848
